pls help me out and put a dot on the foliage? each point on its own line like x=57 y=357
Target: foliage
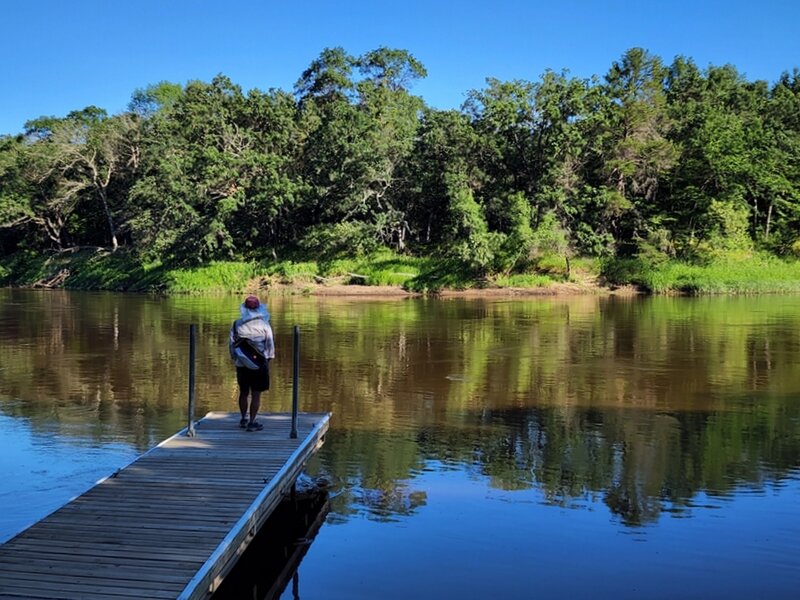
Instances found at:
x=340 y=239
x=728 y=228
x=660 y=164
x=87 y=269
x=468 y=239
x=550 y=238
x=24 y=268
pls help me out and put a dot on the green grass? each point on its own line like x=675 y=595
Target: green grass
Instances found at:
x=386 y=268
x=523 y=280
x=759 y=274
x=436 y=275
x=289 y=272
x=382 y=268
x=552 y=265
x=83 y=269
x=24 y=268
x=99 y=269
x=217 y=276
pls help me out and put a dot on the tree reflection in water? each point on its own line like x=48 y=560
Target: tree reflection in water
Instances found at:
x=641 y=404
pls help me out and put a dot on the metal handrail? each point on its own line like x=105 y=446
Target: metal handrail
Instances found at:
x=192 y=343
x=295 y=381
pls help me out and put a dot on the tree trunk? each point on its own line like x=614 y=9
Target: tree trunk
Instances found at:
x=769 y=219
x=114 y=245
x=54 y=226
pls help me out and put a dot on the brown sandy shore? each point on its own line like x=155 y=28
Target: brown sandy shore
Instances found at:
x=259 y=285
x=364 y=291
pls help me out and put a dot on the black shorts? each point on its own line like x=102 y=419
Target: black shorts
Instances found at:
x=256 y=380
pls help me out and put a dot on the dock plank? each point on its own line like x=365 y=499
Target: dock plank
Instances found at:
x=169 y=525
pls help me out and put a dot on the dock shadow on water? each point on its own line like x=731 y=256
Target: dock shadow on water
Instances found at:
x=270 y=564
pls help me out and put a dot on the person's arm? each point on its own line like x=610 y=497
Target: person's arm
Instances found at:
x=269 y=343
x=232 y=340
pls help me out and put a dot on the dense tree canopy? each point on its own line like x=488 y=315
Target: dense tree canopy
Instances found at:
x=650 y=160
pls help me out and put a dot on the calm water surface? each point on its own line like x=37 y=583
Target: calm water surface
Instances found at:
x=580 y=447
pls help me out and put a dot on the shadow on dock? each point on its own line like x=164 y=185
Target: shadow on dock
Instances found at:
x=269 y=565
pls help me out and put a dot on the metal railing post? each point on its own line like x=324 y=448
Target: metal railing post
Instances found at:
x=192 y=337
x=295 y=380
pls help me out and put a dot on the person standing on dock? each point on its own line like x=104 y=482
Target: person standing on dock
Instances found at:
x=252 y=347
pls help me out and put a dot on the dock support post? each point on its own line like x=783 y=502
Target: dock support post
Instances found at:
x=192 y=336
x=295 y=380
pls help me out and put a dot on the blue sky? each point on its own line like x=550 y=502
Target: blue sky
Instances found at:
x=57 y=56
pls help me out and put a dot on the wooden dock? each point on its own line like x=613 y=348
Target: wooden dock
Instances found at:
x=169 y=525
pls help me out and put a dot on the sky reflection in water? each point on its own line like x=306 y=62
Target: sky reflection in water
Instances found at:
x=469 y=540
x=43 y=469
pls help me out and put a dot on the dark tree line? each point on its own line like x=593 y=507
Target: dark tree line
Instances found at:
x=653 y=160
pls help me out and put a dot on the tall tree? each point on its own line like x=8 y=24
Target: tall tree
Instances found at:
x=445 y=143
x=191 y=183
x=503 y=114
x=362 y=122
x=86 y=154
x=16 y=210
x=637 y=154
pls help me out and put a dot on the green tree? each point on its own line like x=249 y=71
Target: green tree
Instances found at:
x=469 y=240
x=216 y=176
x=780 y=179
x=16 y=210
x=733 y=151
x=503 y=115
x=517 y=245
x=85 y=155
x=637 y=153
x=145 y=102
x=328 y=77
x=445 y=143
x=360 y=132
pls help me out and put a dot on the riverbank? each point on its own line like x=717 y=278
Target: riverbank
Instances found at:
x=382 y=274
x=390 y=275
x=386 y=291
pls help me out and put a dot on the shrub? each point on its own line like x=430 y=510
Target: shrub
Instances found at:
x=349 y=238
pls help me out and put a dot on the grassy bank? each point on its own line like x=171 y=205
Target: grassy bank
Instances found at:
x=755 y=274
x=98 y=269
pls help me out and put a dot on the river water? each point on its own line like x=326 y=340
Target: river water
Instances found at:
x=485 y=448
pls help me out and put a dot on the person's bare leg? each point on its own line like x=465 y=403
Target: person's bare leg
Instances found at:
x=255 y=404
x=243 y=403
